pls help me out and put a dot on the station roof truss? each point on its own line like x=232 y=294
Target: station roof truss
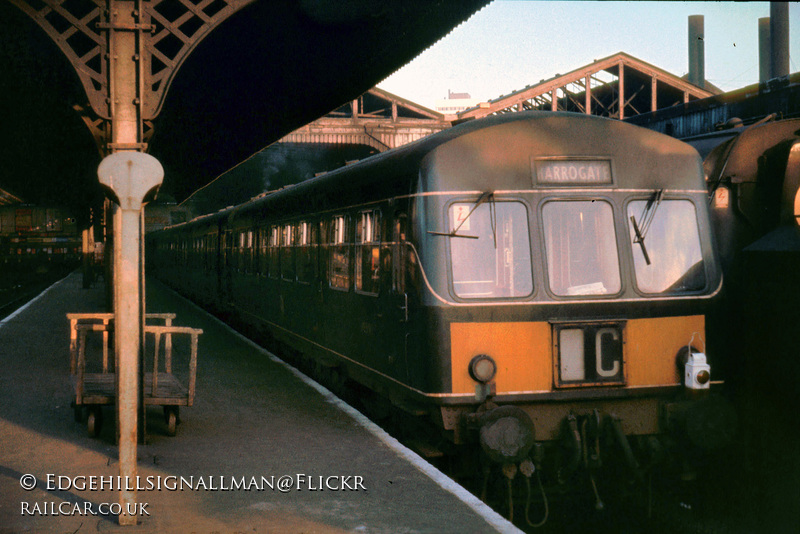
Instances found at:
x=377 y=118
x=618 y=86
x=169 y=29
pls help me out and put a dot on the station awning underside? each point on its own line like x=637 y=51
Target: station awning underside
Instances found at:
x=268 y=69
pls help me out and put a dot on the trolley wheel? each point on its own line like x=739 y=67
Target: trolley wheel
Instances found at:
x=94 y=421
x=171 y=416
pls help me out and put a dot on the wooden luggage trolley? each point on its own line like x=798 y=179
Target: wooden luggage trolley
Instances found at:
x=95 y=389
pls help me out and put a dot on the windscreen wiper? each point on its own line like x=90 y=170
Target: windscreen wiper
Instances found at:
x=485 y=196
x=640 y=239
x=647 y=218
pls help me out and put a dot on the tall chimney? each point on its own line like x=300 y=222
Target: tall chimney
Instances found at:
x=697 y=60
x=764 y=51
x=779 y=38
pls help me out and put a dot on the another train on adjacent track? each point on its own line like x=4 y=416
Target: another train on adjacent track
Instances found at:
x=530 y=284
x=37 y=239
x=753 y=176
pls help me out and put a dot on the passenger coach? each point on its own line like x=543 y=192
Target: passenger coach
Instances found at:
x=516 y=278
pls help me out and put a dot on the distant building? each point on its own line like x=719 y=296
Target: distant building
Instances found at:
x=455 y=103
x=164 y=212
x=374 y=122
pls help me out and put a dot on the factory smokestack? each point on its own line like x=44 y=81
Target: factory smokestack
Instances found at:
x=779 y=38
x=764 y=51
x=697 y=60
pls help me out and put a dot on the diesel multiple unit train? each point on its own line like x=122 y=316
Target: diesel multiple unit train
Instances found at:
x=534 y=284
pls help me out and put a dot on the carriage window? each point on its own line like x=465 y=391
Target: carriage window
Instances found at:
x=262 y=254
x=399 y=253
x=274 y=248
x=670 y=259
x=287 y=253
x=368 y=252
x=236 y=248
x=306 y=252
x=302 y=233
x=581 y=248
x=211 y=252
x=339 y=271
x=495 y=262
x=248 y=251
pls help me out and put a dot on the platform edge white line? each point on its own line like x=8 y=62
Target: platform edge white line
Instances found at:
x=34 y=299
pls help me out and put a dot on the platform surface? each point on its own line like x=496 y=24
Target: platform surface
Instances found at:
x=254 y=423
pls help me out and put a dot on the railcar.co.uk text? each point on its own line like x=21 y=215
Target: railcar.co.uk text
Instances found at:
x=61 y=483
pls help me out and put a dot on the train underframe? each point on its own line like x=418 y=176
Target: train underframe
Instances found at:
x=604 y=450
x=560 y=446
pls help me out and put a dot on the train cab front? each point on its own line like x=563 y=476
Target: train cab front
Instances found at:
x=571 y=297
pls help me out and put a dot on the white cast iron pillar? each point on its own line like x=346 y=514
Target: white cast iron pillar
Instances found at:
x=131 y=176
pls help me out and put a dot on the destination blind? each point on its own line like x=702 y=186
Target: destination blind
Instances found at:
x=572 y=172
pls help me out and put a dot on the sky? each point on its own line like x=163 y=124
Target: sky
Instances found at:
x=513 y=43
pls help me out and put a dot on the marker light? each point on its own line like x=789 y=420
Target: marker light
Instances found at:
x=482 y=368
x=697 y=373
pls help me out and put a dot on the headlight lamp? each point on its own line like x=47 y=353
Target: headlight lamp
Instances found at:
x=482 y=368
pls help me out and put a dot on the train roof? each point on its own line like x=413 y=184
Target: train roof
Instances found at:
x=592 y=130
x=516 y=155
x=546 y=132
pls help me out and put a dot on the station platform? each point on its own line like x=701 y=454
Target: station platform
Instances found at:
x=254 y=421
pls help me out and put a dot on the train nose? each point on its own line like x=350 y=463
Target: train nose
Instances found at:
x=506 y=434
